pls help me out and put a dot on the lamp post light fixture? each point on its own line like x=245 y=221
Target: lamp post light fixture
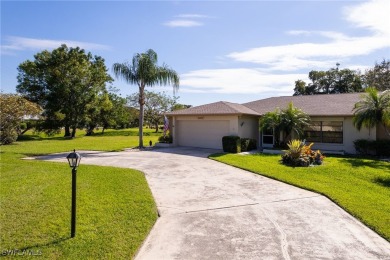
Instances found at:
x=74 y=161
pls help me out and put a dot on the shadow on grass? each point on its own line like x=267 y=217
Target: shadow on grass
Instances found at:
x=116 y=133
x=125 y=133
x=35 y=137
x=372 y=163
x=382 y=181
x=216 y=155
x=27 y=138
x=34 y=246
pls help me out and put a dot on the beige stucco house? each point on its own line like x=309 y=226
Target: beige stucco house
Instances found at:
x=331 y=126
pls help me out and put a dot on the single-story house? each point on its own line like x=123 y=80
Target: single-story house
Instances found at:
x=331 y=127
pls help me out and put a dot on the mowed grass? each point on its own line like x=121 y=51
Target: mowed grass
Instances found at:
x=115 y=208
x=360 y=186
x=111 y=140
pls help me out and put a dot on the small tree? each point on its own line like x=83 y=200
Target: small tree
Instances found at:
x=373 y=109
x=179 y=106
x=289 y=120
x=99 y=113
x=156 y=105
x=379 y=76
x=293 y=120
x=13 y=108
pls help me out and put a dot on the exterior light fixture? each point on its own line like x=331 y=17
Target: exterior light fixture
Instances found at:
x=74 y=161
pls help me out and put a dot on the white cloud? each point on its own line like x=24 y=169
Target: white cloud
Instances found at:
x=307 y=55
x=327 y=34
x=373 y=15
x=337 y=47
x=280 y=66
x=270 y=79
x=21 y=43
x=240 y=80
x=187 y=20
x=183 y=23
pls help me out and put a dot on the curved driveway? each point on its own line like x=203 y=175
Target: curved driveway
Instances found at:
x=210 y=210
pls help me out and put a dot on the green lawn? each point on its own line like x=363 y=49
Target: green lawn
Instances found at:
x=360 y=186
x=115 y=208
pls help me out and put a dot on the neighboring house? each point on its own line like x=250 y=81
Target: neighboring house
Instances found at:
x=331 y=126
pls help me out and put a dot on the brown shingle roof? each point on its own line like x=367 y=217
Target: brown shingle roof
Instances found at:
x=313 y=105
x=217 y=108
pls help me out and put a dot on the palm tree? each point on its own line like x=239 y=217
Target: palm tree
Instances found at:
x=373 y=109
x=288 y=120
x=144 y=72
x=293 y=120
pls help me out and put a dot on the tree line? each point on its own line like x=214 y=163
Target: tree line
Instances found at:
x=71 y=89
x=335 y=80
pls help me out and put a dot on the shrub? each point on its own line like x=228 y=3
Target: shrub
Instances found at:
x=372 y=147
x=248 y=144
x=165 y=139
x=231 y=144
x=302 y=155
x=8 y=135
x=382 y=147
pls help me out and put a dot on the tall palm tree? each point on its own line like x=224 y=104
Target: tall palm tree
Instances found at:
x=144 y=72
x=373 y=109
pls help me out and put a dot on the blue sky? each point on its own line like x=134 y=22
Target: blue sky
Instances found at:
x=236 y=51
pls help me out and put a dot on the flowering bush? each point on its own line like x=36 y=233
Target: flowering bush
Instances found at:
x=300 y=154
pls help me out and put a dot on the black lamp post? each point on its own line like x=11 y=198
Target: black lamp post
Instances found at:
x=74 y=161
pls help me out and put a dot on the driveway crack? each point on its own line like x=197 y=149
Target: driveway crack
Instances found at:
x=219 y=208
x=283 y=236
x=300 y=198
x=243 y=205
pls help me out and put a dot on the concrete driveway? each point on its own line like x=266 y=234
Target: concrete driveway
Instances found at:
x=210 y=210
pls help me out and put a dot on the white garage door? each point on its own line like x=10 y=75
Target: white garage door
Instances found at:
x=201 y=133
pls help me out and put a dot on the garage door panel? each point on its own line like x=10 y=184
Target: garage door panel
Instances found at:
x=203 y=134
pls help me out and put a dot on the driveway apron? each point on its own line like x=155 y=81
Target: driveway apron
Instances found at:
x=209 y=210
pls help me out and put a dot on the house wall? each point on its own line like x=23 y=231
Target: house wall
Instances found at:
x=381 y=133
x=248 y=127
x=350 y=134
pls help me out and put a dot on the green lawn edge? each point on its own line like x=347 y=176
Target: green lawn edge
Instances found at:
x=382 y=229
x=116 y=210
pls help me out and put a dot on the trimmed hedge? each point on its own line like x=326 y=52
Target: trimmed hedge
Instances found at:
x=371 y=147
x=231 y=144
x=235 y=144
x=248 y=144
